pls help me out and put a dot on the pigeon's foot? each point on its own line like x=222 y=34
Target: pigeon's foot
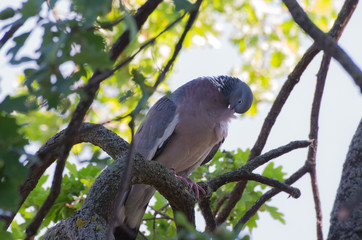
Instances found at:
x=191 y=183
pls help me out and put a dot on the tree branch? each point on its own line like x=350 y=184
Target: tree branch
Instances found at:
x=269 y=121
x=313 y=134
x=220 y=202
x=244 y=172
x=205 y=206
x=324 y=41
x=336 y=31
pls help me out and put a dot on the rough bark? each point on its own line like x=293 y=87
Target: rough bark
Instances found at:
x=346 y=217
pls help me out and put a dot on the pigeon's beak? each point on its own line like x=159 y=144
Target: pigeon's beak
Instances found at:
x=232 y=108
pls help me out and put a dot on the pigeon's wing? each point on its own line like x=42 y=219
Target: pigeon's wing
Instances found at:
x=158 y=126
x=212 y=153
x=150 y=138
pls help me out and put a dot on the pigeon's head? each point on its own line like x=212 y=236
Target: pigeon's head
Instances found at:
x=237 y=93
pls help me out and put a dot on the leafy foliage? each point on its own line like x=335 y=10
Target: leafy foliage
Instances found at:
x=12 y=145
x=75 y=187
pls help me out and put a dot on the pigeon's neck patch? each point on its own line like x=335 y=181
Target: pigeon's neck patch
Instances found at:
x=225 y=84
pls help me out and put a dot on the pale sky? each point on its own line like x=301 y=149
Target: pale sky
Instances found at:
x=340 y=115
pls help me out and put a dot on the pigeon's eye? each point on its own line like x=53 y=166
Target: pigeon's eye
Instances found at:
x=240 y=101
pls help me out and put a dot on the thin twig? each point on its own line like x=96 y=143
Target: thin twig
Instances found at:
x=142 y=235
x=108 y=25
x=159 y=218
x=190 y=22
x=241 y=174
x=9 y=34
x=140 y=18
x=266 y=196
x=294 y=192
x=245 y=170
x=161 y=213
x=220 y=202
x=146 y=44
x=343 y=18
x=313 y=134
x=262 y=159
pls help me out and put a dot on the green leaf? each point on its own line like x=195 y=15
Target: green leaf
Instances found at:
x=91 y=9
x=31 y=8
x=251 y=224
x=72 y=168
x=160 y=200
x=182 y=5
x=275 y=214
x=4 y=234
x=274 y=172
x=92 y=52
x=146 y=90
x=12 y=172
x=277 y=59
x=18 y=103
x=7 y=13
x=19 y=42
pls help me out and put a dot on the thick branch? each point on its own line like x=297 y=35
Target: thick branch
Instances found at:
x=324 y=41
x=345 y=222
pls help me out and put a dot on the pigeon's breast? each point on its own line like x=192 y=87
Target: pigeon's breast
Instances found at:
x=200 y=127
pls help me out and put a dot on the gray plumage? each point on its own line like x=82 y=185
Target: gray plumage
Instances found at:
x=183 y=131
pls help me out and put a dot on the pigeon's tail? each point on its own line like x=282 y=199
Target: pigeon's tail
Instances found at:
x=131 y=213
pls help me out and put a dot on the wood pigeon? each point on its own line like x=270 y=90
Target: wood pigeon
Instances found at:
x=183 y=131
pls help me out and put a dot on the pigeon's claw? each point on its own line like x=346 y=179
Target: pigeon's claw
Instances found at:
x=190 y=183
